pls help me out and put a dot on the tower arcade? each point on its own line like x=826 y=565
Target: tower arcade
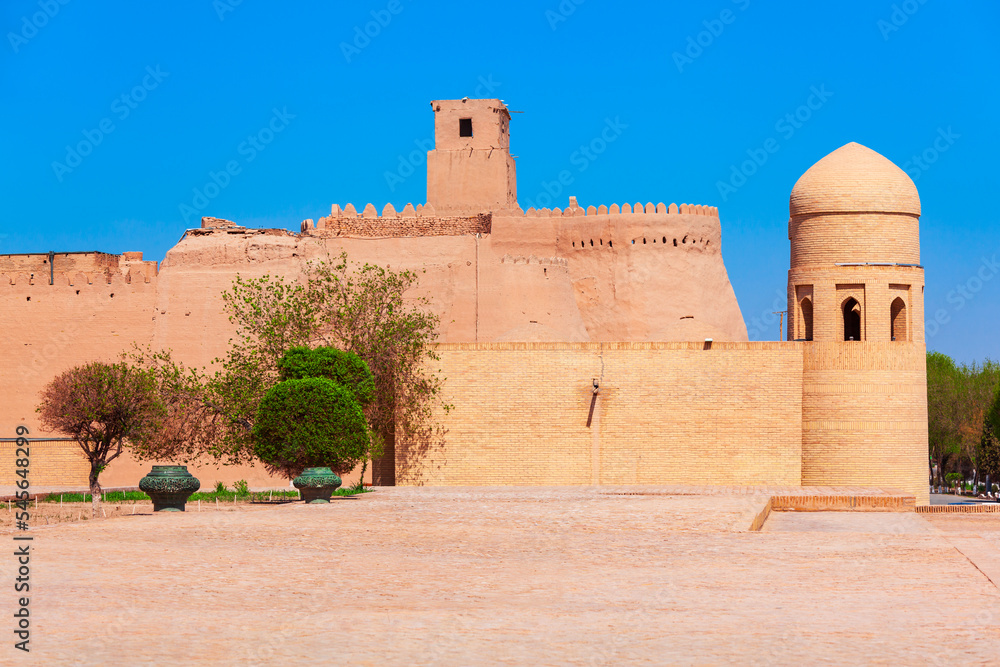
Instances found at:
x=855 y=251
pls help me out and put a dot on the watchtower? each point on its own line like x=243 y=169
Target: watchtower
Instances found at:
x=855 y=261
x=471 y=169
x=856 y=295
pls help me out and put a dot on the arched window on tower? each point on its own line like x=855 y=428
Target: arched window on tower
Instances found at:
x=852 y=319
x=806 y=319
x=897 y=313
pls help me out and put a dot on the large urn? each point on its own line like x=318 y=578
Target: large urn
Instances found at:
x=169 y=487
x=316 y=485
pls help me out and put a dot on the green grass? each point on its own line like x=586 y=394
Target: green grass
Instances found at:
x=205 y=496
x=351 y=491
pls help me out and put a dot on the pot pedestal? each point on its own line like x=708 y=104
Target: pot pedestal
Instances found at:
x=169 y=487
x=316 y=485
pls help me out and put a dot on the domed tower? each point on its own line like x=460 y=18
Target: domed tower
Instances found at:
x=855 y=294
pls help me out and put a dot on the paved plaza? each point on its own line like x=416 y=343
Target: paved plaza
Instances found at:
x=540 y=576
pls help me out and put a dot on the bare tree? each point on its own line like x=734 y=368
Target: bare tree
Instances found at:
x=192 y=422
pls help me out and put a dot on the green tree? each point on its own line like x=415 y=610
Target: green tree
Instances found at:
x=345 y=368
x=958 y=397
x=943 y=391
x=989 y=444
x=358 y=309
x=103 y=406
x=364 y=311
x=271 y=315
x=308 y=423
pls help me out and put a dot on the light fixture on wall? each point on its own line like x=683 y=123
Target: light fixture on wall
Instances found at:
x=593 y=402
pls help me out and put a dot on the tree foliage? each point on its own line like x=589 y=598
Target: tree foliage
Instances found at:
x=364 y=312
x=191 y=423
x=310 y=422
x=345 y=368
x=357 y=309
x=102 y=406
x=989 y=444
x=958 y=397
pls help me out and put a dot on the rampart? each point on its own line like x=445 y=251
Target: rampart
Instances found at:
x=687 y=413
x=419 y=221
x=664 y=413
x=748 y=414
x=74 y=268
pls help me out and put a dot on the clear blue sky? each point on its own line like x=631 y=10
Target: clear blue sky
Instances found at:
x=211 y=74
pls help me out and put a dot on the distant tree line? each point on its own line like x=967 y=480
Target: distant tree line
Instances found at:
x=963 y=420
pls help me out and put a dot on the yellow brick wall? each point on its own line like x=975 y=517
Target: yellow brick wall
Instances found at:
x=666 y=413
x=51 y=463
x=826 y=239
x=815 y=414
x=864 y=416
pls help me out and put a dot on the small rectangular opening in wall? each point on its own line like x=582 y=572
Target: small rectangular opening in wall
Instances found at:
x=465 y=127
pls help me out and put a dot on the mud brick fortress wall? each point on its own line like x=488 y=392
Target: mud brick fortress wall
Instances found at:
x=535 y=306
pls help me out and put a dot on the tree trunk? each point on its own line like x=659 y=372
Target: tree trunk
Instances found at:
x=364 y=468
x=384 y=468
x=95 y=488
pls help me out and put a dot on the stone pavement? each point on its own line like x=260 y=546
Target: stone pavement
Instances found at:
x=583 y=576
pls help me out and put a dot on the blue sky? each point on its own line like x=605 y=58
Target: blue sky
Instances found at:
x=163 y=95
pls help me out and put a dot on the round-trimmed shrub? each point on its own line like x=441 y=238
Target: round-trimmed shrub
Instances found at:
x=345 y=368
x=310 y=423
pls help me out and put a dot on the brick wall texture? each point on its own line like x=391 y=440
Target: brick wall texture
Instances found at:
x=666 y=412
x=51 y=463
x=402 y=227
x=737 y=413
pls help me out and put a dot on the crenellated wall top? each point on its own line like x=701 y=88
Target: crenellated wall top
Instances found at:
x=637 y=209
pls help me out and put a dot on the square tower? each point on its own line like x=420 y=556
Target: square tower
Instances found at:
x=471 y=169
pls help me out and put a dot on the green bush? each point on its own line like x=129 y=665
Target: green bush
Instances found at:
x=345 y=368
x=309 y=423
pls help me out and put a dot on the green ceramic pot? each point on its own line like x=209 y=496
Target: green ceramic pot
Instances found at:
x=316 y=485
x=169 y=487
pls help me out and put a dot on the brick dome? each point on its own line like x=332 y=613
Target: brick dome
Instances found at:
x=854 y=179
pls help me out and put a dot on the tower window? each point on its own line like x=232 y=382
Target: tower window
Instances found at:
x=897 y=314
x=465 y=127
x=806 y=321
x=852 y=319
